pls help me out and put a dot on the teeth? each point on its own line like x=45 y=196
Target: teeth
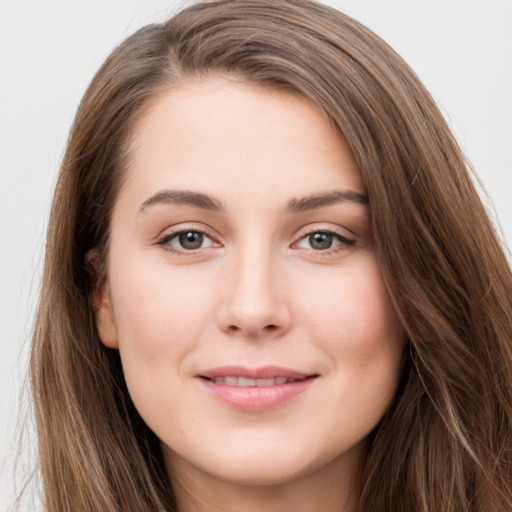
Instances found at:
x=265 y=382
x=245 y=382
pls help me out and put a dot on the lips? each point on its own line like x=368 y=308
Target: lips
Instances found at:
x=255 y=389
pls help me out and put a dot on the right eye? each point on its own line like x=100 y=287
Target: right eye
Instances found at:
x=188 y=240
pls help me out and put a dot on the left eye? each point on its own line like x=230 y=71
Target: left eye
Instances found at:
x=323 y=240
x=188 y=240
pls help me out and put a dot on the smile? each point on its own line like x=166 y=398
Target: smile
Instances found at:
x=245 y=382
x=256 y=390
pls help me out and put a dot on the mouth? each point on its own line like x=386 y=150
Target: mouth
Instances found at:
x=256 y=389
x=246 y=382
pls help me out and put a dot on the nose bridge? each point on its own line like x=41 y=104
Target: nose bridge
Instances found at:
x=254 y=303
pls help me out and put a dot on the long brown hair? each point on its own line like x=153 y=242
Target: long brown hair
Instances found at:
x=445 y=444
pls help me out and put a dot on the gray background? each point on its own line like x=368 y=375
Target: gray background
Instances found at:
x=461 y=49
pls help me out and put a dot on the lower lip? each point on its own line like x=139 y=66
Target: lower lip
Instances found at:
x=254 y=398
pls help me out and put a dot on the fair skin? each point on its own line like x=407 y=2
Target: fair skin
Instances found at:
x=241 y=238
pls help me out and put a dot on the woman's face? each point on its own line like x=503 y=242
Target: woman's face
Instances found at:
x=257 y=338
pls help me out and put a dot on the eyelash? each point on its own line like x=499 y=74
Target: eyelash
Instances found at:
x=164 y=241
x=344 y=242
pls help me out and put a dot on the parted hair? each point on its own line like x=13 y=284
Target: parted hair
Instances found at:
x=445 y=443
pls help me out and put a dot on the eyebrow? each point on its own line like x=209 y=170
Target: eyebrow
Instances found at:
x=325 y=199
x=204 y=201
x=295 y=205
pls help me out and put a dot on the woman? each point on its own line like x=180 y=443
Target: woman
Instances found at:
x=269 y=281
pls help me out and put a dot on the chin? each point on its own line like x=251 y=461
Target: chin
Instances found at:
x=262 y=471
x=271 y=465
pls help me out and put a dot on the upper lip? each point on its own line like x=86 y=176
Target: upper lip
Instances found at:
x=263 y=372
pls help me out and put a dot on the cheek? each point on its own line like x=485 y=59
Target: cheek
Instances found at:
x=353 y=323
x=352 y=319
x=159 y=311
x=353 y=306
x=160 y=316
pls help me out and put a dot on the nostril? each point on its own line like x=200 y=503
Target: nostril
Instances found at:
x=270 y=328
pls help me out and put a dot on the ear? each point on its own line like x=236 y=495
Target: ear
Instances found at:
x=102 y=307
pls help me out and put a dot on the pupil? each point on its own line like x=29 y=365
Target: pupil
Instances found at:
x=191 y=240
x=320 y=241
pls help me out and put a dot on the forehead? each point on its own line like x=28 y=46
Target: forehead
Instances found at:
x=224 y=137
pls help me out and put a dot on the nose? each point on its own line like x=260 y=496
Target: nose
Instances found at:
x=254 y=301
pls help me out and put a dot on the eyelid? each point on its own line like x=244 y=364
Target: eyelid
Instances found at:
x=320 y=227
